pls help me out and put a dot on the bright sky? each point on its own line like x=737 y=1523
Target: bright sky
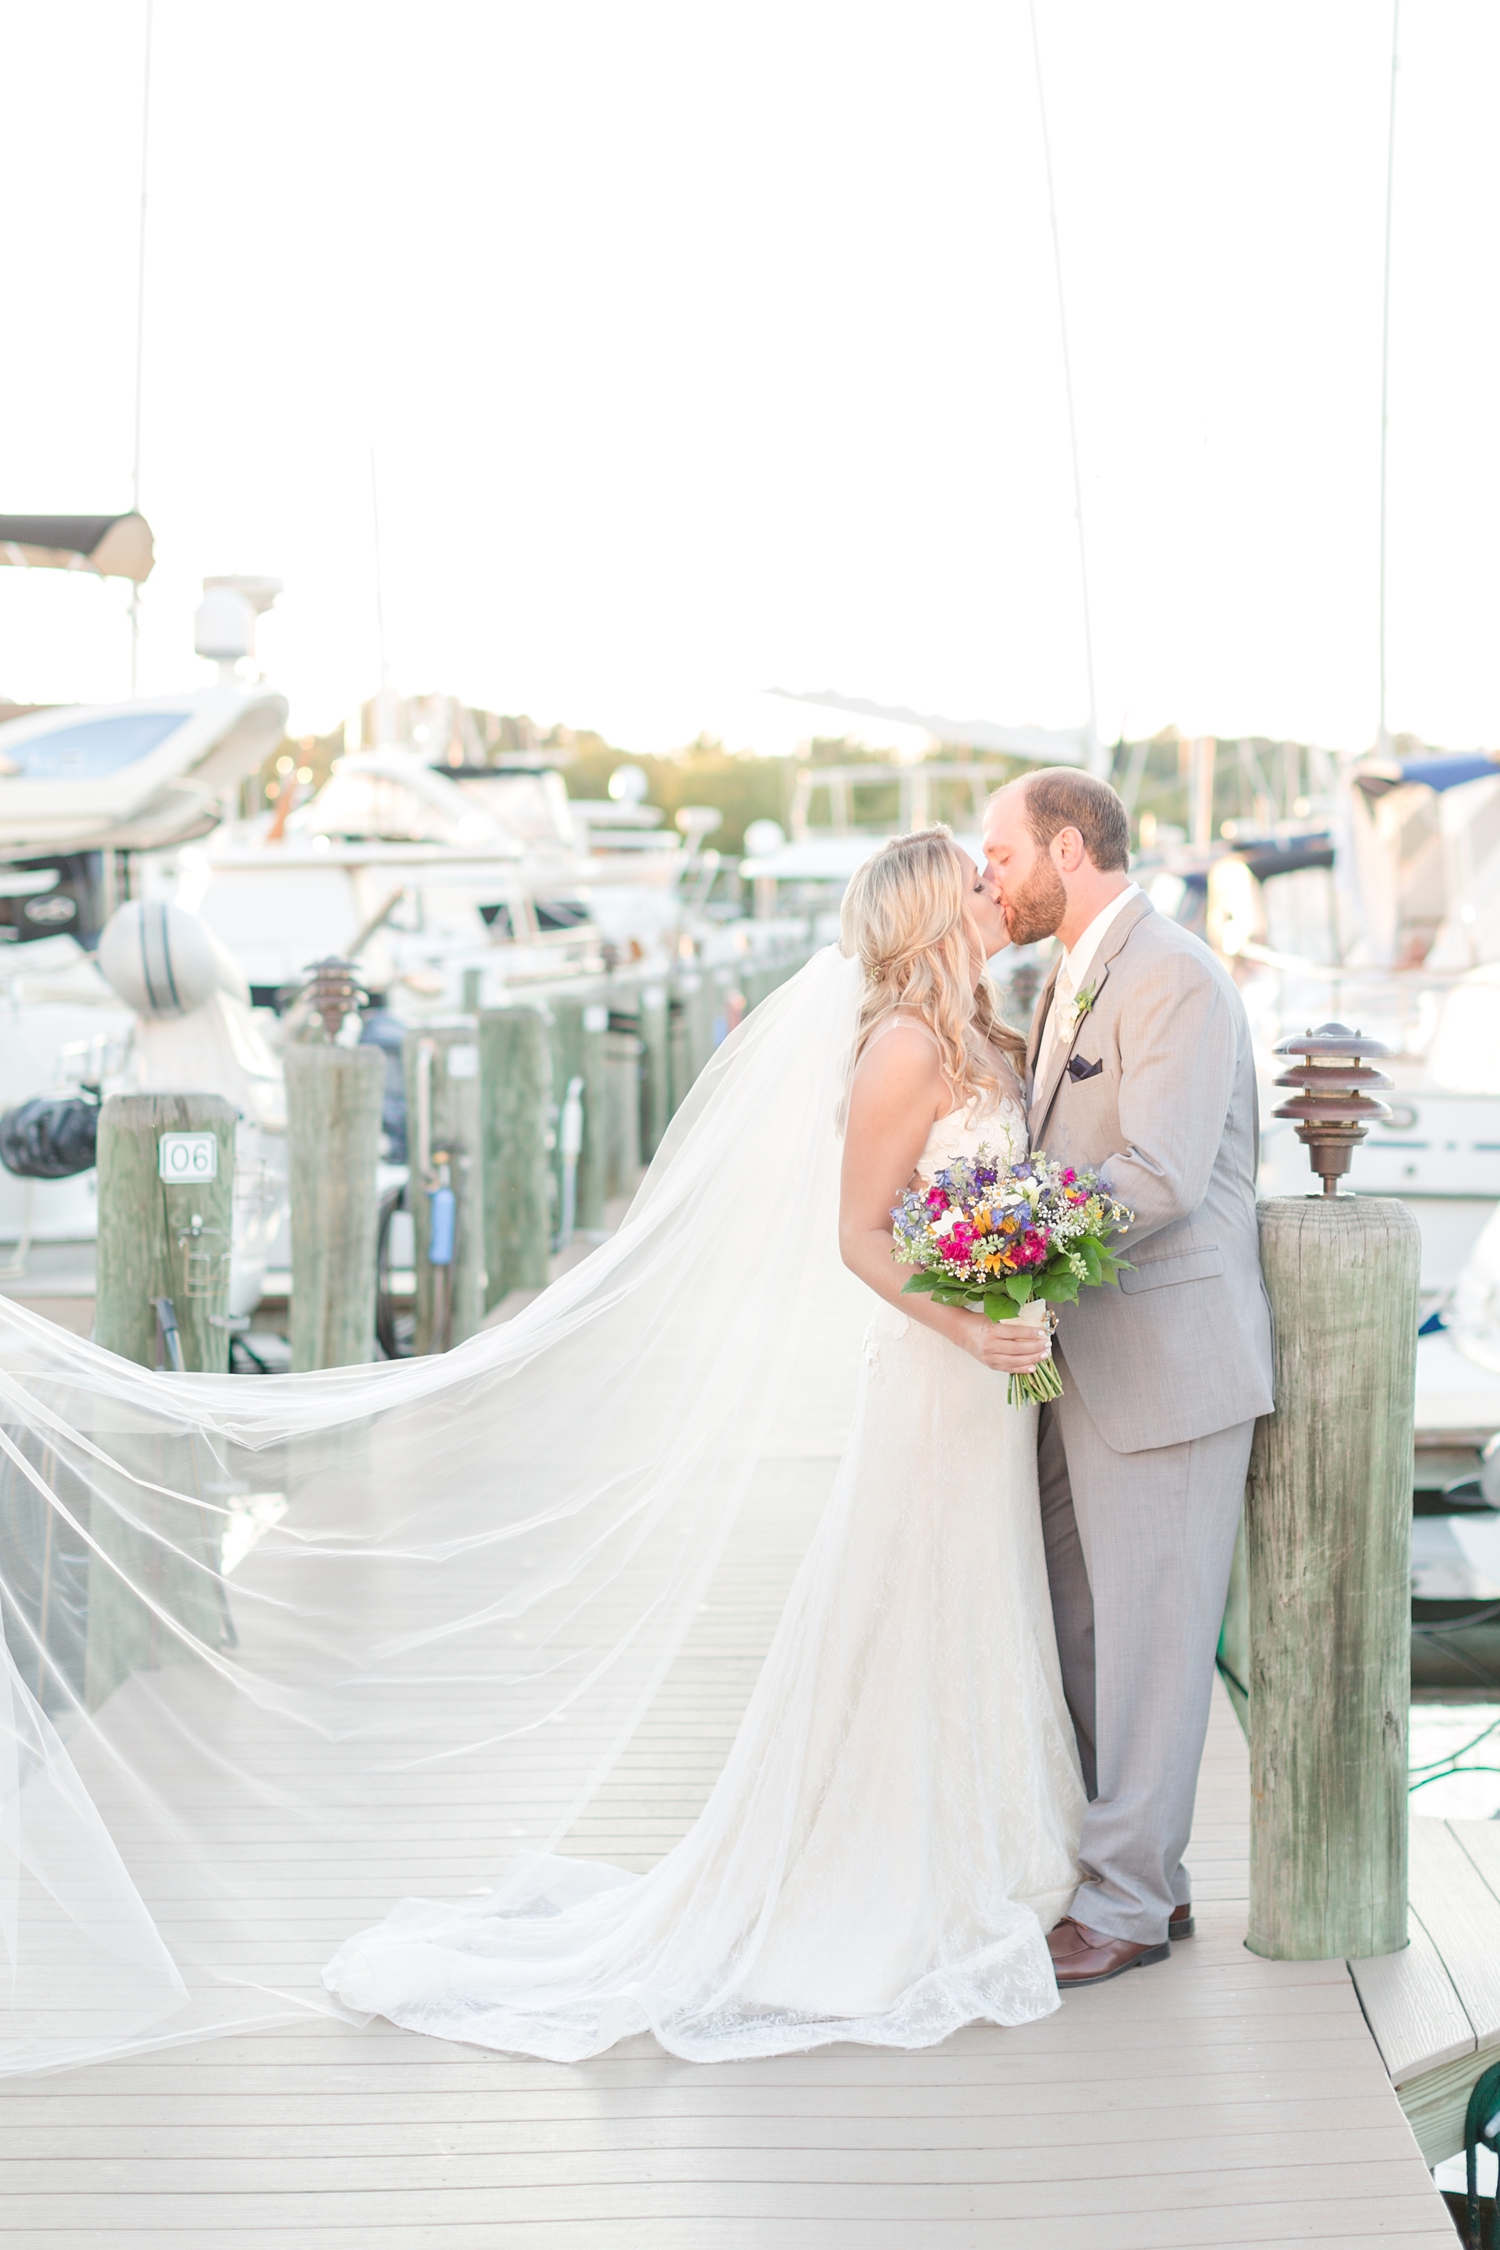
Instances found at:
x=706 y=348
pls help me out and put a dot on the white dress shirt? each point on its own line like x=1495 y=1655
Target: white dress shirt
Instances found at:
x=1072 y=976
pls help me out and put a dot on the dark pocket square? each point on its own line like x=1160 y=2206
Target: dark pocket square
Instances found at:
x=1078 y=1068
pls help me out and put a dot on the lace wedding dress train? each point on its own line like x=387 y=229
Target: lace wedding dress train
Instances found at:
x=895 y=1827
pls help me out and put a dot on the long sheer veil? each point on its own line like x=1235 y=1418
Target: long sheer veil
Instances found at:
x=280 y=1651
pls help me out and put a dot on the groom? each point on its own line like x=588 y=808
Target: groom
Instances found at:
x=1141 y=1070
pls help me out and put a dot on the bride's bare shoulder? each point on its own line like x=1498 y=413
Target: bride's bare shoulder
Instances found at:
x=900 y=1068
x=900 y=1044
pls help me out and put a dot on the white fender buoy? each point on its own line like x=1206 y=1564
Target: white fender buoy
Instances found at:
x=162 y=960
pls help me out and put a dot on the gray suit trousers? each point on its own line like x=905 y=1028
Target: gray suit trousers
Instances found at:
x=1139 y=1547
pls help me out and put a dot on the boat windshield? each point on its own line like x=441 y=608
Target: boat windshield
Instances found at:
x=89 y=749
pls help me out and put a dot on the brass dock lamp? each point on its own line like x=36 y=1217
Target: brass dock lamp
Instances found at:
x=1335 y=1105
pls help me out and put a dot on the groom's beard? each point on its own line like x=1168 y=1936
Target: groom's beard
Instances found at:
x=1033 y=909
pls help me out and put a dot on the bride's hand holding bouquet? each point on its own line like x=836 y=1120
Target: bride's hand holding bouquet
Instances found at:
x=1010 y=1241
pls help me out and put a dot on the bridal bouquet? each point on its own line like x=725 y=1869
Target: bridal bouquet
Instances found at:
x=1000 y=1237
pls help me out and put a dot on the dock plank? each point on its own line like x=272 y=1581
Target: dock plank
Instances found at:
x=1175 y=2201
x=1461 y=1914
x=1480 y=1842
x=1405 y=2221
x=1412 y=2008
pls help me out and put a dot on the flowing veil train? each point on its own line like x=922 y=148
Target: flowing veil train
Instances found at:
x=383 y=1630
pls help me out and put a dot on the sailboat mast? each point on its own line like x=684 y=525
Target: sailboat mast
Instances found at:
x=1385 y=348
x=386 y=729
x=140 y=339
x=1096 y=758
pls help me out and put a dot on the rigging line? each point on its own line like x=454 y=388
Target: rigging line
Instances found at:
x=1429 y=1765
x=385 y=676
x=1067 y=360
x=140 y=340
x=1385 y=340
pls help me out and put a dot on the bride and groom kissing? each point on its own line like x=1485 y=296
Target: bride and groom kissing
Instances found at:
x=965 y=1776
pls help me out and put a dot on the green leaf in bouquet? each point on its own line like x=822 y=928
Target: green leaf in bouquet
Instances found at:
x=1092 y=1254
x=1059 y=1287
x=1000 y=1305
x=921 y=1284
x=1019 y=1286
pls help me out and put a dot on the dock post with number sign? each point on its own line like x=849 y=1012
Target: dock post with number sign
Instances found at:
x=166 y=1195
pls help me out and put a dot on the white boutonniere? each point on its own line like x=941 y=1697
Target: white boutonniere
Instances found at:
x=1082 y=1003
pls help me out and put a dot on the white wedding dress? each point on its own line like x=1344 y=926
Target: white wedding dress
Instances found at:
x=896 y=1824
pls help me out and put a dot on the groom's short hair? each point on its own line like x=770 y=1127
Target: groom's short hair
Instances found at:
x=1059 y=797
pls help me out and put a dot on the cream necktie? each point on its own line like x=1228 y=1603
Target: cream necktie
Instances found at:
x=1059 y=1025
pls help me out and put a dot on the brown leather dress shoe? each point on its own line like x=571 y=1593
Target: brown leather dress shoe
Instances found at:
x=1084 y=1956
x=1181 y=1924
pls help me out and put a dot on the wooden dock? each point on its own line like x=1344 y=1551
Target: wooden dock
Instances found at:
x=1435 y=2009
x=1217 y=2099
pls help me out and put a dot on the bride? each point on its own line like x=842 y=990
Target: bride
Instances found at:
x=895 y=1827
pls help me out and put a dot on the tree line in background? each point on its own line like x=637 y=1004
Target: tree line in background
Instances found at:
x=1256 y=786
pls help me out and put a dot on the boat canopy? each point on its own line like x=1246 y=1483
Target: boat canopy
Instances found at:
x=113 y=546
x=1447 y=769
x=1451 y=771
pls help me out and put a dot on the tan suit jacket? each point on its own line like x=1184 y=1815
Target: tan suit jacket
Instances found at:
x=1182 y=1346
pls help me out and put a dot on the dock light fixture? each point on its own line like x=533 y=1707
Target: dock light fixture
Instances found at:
x=332 y=992
x=1335 y=1104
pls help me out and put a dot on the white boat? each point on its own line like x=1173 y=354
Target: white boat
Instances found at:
x=448 y=886
x=1391 y=924
x=84 y=794
x=1387 y=920
x=126 y=777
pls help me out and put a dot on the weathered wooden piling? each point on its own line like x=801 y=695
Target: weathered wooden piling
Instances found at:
x=1328 y=1547
x=333 y=1103
x=578 y=1028
x=760 y=978
x=656 y=1071
x=515 y=1079
x=622 y=1102
x=166 y=1201
x=443 y=1143
x=692 y=1039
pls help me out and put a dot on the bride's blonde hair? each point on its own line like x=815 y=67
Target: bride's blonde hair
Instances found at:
x=903 y=918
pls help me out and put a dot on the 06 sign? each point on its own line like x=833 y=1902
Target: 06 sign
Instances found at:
x=187 y=1159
